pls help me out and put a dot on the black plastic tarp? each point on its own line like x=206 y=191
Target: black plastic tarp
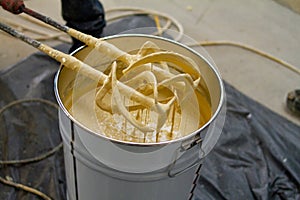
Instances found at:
x=256 y=157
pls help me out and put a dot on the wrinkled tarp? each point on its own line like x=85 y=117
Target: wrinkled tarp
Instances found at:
x=256 y=157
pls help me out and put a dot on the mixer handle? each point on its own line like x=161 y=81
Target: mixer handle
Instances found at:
x=13 y=6
x=18 y=6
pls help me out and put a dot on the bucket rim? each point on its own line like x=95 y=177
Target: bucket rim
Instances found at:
x=181 y=139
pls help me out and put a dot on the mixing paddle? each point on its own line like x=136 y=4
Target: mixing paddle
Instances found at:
x=147 y=58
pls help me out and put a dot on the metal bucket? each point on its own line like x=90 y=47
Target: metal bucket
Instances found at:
x=98 y=167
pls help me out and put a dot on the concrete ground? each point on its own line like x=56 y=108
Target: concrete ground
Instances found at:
x=266 y=25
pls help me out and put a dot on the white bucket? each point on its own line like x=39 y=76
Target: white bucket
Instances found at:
x=98 y=167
